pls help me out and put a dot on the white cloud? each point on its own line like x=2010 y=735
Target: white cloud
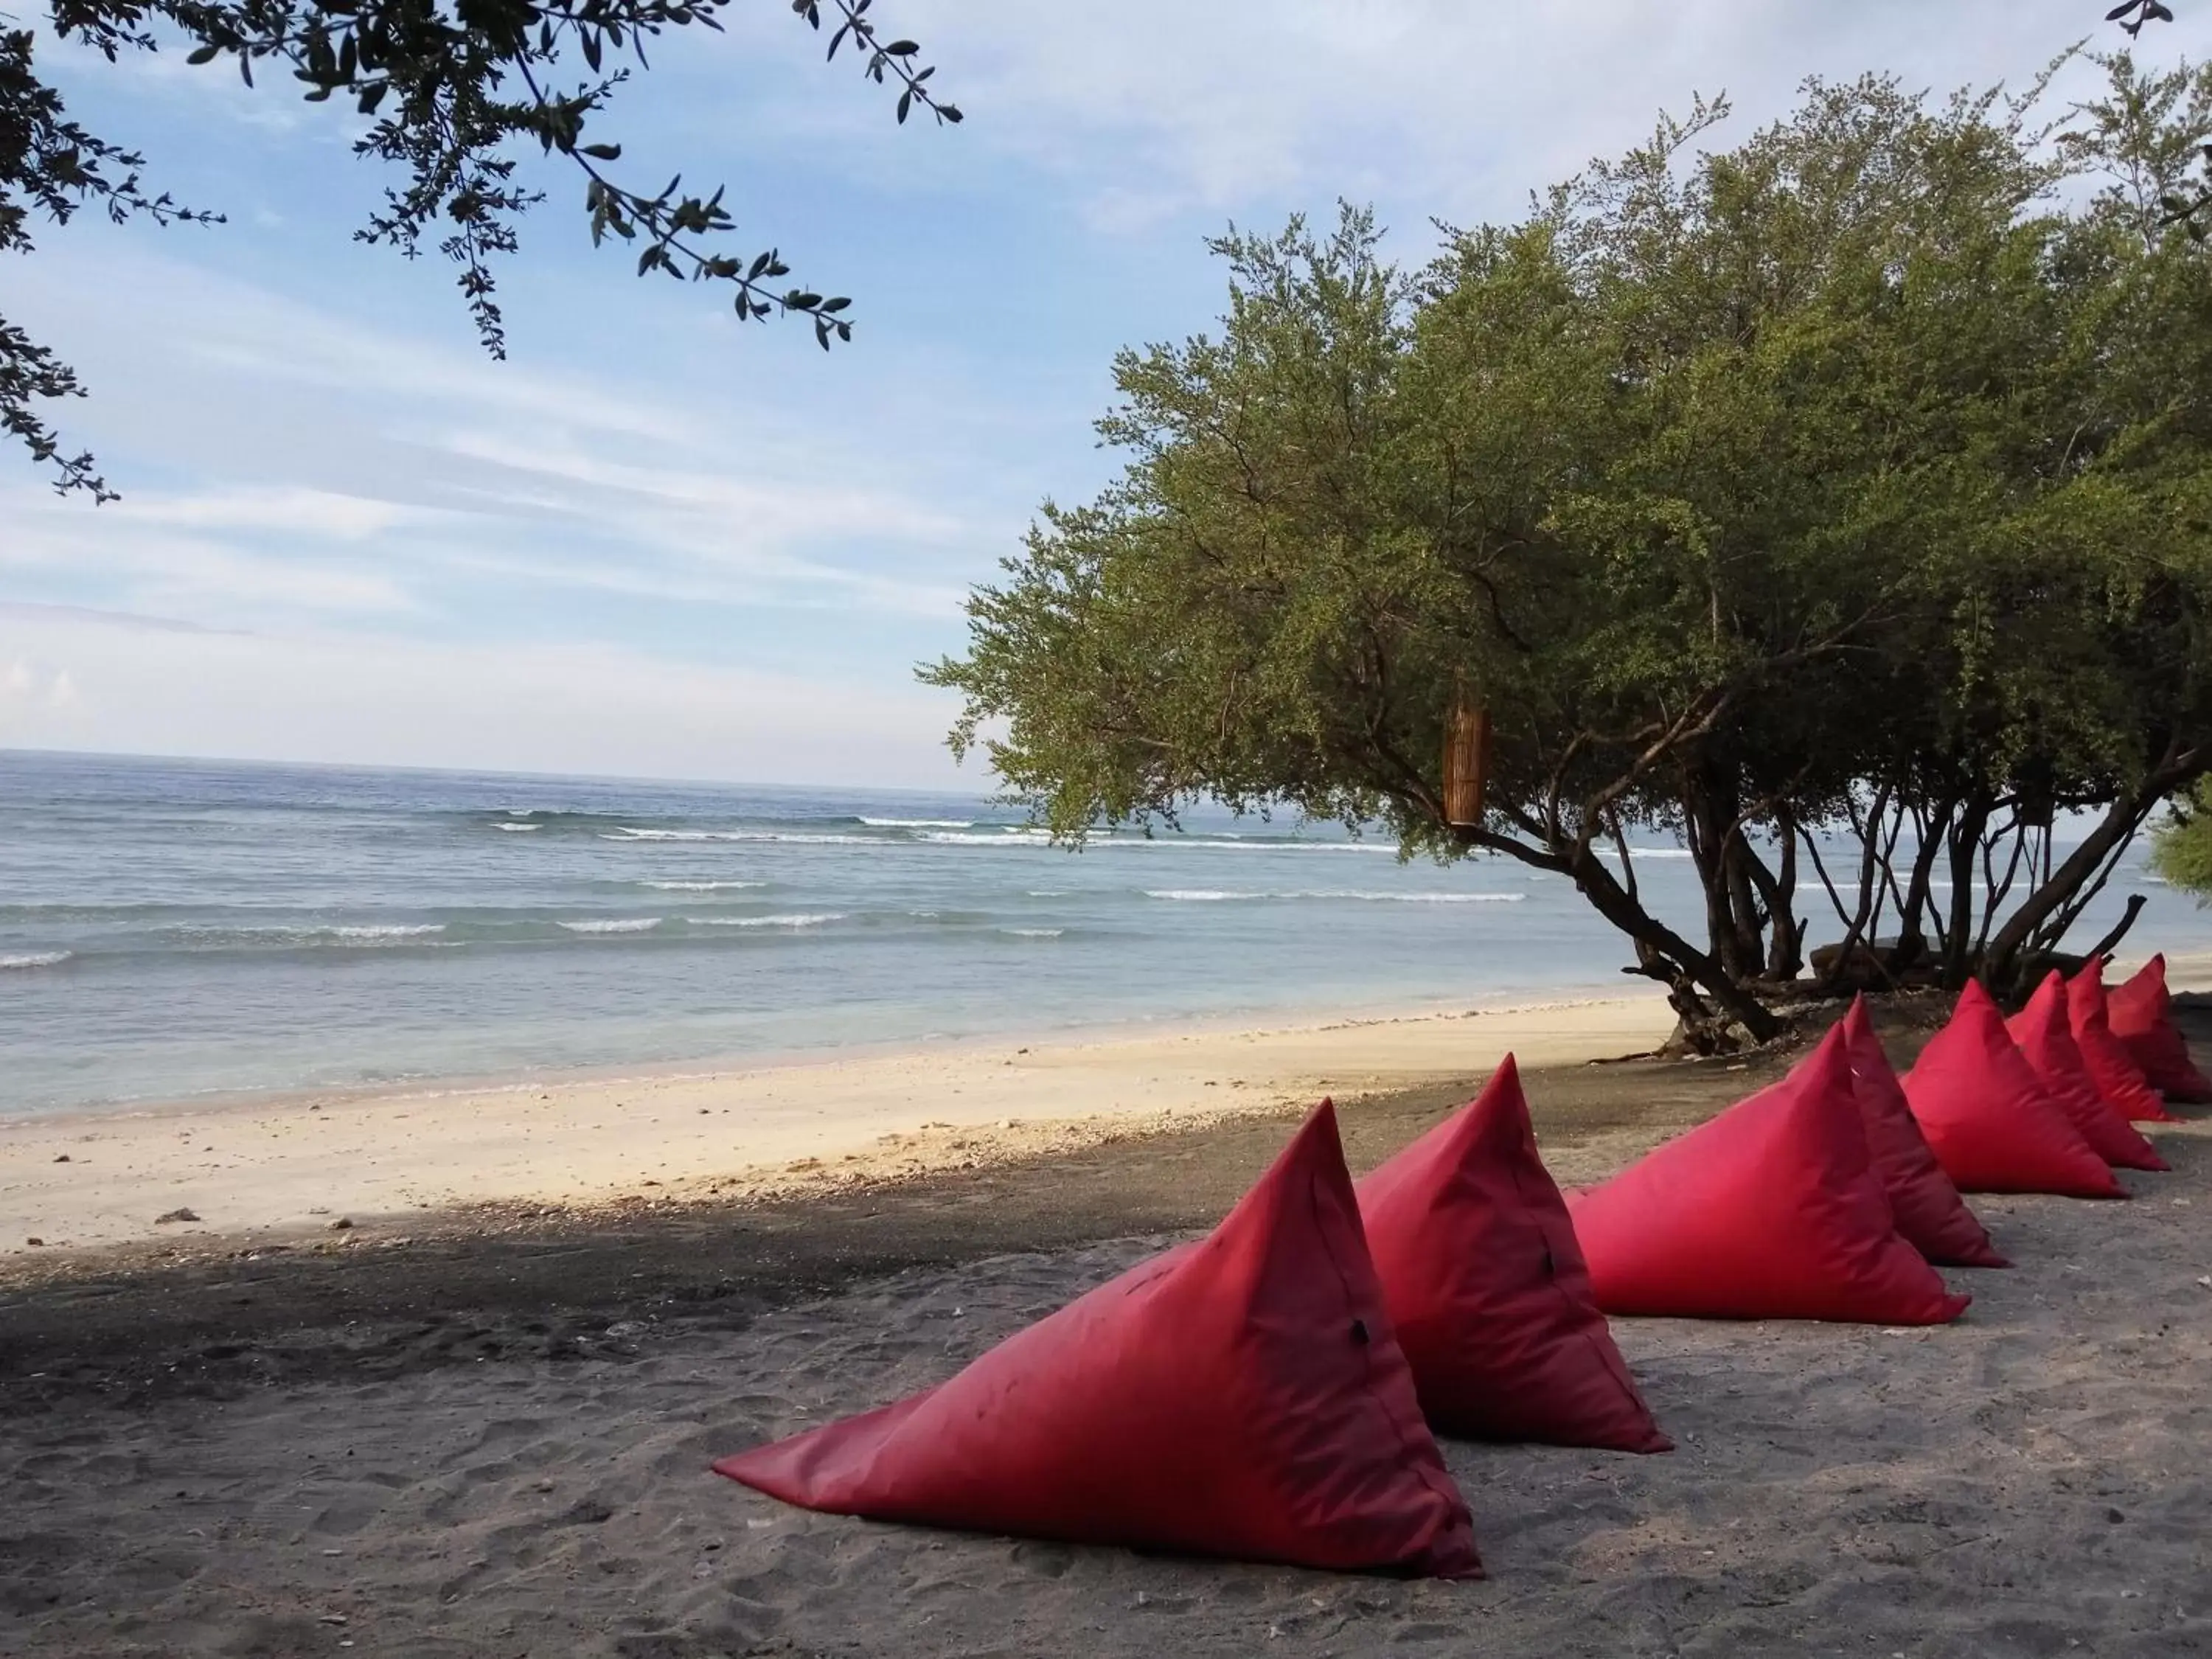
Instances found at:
x=338 y=469
x=36 y=696
x=318 y=513
x=382 y=701
x=172 y=554
x=1159 y=108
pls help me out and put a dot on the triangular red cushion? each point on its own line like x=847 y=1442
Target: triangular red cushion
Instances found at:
x=2141 y=1017
x=2045 y=1037
x=1487 y=1290
x=1987 y=1118
x=1770 y=1210
x=1241 y=1396
x=1930 y=1213
x=2112 y=1068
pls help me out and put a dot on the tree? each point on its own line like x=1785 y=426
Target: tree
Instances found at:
x=1839 y=478
x=453 y=99
x=2181 y=846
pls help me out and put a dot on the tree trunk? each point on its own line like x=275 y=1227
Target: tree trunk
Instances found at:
x=1732 y=928
x=1660 y=949
x=1964 y=841
x=2122 y=820
x=1749 y=933
x=1912 y=942
x=1785 y=946
x=1702 y=831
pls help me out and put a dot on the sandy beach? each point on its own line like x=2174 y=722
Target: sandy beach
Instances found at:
x=491 y=1438
x=284 y=1167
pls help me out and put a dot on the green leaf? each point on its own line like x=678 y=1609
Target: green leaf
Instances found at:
x=602 y=151
x=201 y=55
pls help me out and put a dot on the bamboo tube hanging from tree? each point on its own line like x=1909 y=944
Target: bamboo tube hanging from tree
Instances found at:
x=1466 y=763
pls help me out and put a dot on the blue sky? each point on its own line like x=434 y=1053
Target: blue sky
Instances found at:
x=655 y=542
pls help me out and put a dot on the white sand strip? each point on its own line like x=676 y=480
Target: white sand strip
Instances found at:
x=295 y=1165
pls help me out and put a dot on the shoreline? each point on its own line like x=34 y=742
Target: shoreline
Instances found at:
x=266 y=1167
x=727 y=1063
x=340 y=1166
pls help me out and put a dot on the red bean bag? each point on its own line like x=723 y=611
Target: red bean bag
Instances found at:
x=2112 y=1068
x=2141 y=1017
x=1487 y=1290
x=1241 y=1396
x=1770 y=1210
x=1992 y=1124
x=1930 y=1213
x=2046 y=1036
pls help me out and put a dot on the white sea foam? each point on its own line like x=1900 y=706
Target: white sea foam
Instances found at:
x=1386 y=848
x=518 y=829
x=797 y=918
x=1217 y=843
x=615 y=925
x=37 y=959
x=1217 y=896
x=1033 y=933
x=1009 y=835
x=623 y=832
x=700 y=886
x=307 y=933
x=919 y=824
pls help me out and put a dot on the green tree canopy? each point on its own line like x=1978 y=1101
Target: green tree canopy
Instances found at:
x=1842 y=475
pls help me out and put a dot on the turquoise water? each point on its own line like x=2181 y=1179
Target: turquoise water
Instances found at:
x=177 y=928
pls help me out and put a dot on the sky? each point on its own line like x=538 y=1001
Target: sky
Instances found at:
x=658 y=542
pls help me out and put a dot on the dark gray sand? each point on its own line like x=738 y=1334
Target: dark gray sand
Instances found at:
x=505 y=1452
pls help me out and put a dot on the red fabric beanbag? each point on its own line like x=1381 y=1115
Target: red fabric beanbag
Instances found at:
x=2141 y=1015
x=1486 y=1287
x=1987 y=1118
x=2112 y=1068
x=1770 y=1210
x=2045 y=1037
x=1241 y=1396
x=1930 y=1213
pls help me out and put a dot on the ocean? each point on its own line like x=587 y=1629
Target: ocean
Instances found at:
x=171 y=929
